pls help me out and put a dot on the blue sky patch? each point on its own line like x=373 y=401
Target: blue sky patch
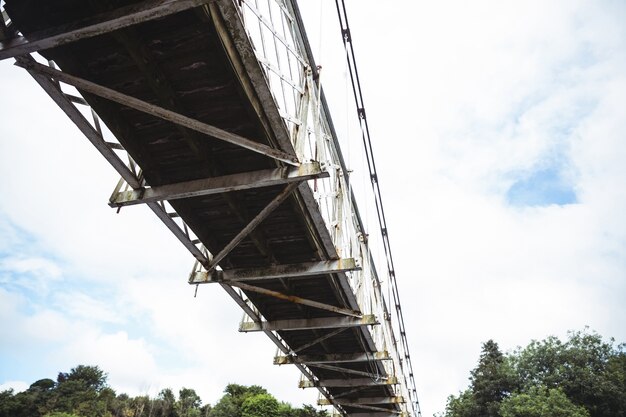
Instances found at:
x=543 y=187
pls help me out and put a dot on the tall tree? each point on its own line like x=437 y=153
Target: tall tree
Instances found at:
x=491 y=381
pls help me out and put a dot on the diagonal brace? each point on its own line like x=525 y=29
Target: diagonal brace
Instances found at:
x=159 y=112
x=218 y=185
x=98 y=25
x=318 y=340
x=254 y=223
x=296 y=299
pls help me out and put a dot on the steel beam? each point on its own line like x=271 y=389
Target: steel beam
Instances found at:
x=160 y=112
x=363 y=400
x=296 y=300
x=254 y=223
x=302 y=270
x=332 y=358
x=374 y=408
x=218 y=185
x=319 y=340
x=381 y=414
x=343 y=370
x=354 y=382
x=98 y=25
x=309 y=324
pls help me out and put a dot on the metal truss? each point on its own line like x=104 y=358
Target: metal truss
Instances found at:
x=280 y=78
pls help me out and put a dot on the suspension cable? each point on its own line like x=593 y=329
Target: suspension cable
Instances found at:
x=369 y=154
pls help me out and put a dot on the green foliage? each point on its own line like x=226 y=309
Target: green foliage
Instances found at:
x=260 y=405
x=541 y=402
x=83 y=392
x=491 y=381
x=581 y=377
x=462 y=406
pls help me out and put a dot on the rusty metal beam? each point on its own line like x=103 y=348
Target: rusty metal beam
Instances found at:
x=381 y=414
x=303 y=270
x=296 y=299
x=218 y=185
x=97 y=25
x=354 y=382
x=374 y=408
x=319 y=339
x=332 y=358
x=160 y=112
x=344 y=370
x=254 y=223
x=363 y=400
x=308 y=324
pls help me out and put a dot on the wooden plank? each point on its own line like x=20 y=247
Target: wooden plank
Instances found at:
x=97 y=25
x=254 y=223
x=160 y=112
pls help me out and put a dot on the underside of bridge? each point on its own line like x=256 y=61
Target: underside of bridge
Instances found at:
x=186 y=98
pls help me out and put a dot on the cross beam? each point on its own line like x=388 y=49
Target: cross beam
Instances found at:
x=381 y=414
x=301 y=270
x=354 y=382
x=218 y=185
x=332 y=358
x=297 y=300
x=363 y=400
x=98 y=25
x=395 y=413
x=309 y=324
x=343 y=370
x=159 y=112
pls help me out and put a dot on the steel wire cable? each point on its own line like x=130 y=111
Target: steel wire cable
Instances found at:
x=367 y=143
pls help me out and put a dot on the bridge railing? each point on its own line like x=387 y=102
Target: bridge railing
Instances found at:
x=280 y=46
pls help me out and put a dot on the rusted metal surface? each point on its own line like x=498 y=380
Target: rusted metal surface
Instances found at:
x=108 y=22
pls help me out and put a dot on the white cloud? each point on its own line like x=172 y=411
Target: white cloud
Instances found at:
x=16 y=386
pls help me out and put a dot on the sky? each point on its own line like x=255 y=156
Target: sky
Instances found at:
x=499 y=134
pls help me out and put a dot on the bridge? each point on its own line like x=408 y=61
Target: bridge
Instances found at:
x=212 y=113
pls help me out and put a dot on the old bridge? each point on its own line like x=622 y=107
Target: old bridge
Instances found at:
x=211 y=112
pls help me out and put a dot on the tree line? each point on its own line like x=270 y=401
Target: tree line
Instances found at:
x=582 y=376
x=83 y=392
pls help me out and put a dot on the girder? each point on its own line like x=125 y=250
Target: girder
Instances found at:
x=307 y=324
x=218 y=185
x=301 y=270
x=372 y=381
x=332 y=358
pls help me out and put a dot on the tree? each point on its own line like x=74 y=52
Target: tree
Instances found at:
x=588 y=370
x=541 y=402
x=260 y=405
x=582 y=377
x=189 y=403
x=91 y=377
x=491 y=381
